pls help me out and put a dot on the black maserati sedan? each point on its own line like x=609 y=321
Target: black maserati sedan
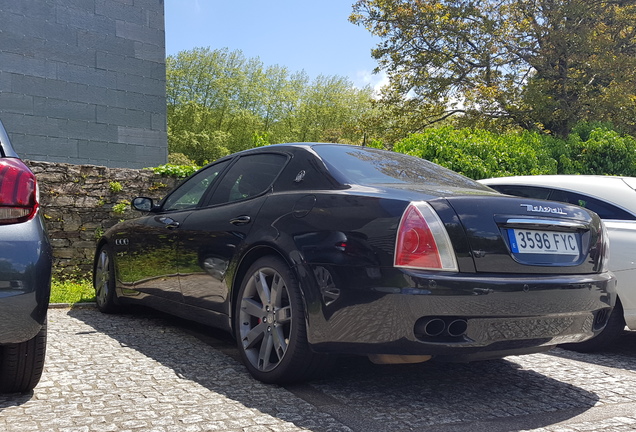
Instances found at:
x=25 y=274
x=308 y=250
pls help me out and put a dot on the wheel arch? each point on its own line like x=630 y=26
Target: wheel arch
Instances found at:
x=254 y=254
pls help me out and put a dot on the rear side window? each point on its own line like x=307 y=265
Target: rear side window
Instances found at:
x=603 y=209
x=251 y=175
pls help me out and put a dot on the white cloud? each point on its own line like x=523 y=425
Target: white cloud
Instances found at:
x=368 y=78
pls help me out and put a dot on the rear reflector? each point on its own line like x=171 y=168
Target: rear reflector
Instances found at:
x=422 y=240
x=18 y=192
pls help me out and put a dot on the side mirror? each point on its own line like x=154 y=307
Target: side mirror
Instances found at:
x=143 y=204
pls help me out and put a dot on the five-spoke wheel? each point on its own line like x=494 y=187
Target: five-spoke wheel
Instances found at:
x=270 y=325
x=265 y=319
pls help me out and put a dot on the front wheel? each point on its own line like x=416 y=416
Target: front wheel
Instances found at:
x=21 y=364
x=269 y=323
x=104 y=282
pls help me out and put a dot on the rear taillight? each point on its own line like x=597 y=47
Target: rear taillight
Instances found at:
x=422 y=240
x=18 y=192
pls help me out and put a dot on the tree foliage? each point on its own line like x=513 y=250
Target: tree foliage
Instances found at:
x=220 y=102
x=538 y=64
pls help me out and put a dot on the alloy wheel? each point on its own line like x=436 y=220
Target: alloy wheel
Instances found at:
x=102 y=278
x=265 y=319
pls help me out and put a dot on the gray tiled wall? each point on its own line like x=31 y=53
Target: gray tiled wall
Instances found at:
x=83 y=81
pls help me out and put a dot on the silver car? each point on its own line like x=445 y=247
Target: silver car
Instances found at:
x=613 y=198
x=25 y=274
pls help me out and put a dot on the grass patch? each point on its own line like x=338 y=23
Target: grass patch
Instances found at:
x=72 y=291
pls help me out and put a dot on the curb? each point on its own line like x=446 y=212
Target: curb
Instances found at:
x=72 y=305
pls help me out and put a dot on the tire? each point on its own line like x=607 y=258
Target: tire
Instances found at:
x=607 y=337
x=104 y=282
x=270 y=330
x=21 y=364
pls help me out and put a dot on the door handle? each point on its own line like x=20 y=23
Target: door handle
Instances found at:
x=240 y=220
x=169 y=222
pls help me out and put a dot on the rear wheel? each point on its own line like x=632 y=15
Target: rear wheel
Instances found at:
x=21 y=364
x=104 y=282
x=608 y=336
x=270 y=328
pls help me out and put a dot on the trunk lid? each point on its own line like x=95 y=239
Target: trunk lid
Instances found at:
x=519 y=235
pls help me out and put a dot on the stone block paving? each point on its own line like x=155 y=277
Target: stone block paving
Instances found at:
x=145 y=371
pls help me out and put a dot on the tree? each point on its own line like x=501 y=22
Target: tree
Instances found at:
x=538 y=64
x=220 y=102
x=330 y=104
x=214 y=102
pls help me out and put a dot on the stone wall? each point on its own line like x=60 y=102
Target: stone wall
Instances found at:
x=79 y=202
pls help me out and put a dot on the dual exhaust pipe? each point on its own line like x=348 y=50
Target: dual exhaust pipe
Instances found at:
x=441 y=327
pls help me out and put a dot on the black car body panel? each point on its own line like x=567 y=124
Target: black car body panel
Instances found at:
x=336 y=227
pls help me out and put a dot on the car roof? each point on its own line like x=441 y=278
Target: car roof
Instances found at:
x=618 y=190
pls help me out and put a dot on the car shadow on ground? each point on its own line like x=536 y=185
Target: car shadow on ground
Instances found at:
x=620 y=355
x=395 y=397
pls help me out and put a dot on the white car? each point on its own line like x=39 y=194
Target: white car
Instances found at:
x=614 y=200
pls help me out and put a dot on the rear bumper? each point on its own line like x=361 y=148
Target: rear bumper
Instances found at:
x=25 y=280
x=456 y=317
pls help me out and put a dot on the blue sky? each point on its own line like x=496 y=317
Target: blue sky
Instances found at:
x=314 y=36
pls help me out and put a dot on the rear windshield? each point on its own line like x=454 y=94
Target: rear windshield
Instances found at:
x=367 y=166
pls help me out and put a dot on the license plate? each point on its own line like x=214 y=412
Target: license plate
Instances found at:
x=543 y=242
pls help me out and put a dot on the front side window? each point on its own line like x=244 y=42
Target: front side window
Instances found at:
x=190 y=193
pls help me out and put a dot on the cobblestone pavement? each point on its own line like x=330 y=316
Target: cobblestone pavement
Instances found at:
x=147 y=372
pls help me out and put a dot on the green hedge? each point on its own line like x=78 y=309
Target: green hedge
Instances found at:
x=603 y=152
x=481 y=154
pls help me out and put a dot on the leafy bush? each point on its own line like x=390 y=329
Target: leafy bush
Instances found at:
x=593 y=148
x=480 y=154
x=178 y=171
x=604 y=152
x=584 y=129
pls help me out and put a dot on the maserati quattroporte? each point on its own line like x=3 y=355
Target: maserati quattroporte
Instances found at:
x=304 y=251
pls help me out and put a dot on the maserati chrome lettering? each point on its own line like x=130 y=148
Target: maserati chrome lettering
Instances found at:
x=544 y=209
